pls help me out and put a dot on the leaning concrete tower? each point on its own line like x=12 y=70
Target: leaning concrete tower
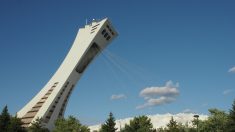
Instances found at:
x=50 y=103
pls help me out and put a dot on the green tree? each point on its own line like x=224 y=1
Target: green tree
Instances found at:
x=15 y=125
x=188 y=128
x=183 y=127
x=161 y=129
x=4 y=119
x=180 y=128
x=139 y=124
x=172 y=126
x=71 y=124
x=216 y=122
x=109 y=125
x=37 y=126
x=231 y=122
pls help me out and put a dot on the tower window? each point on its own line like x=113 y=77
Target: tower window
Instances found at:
x=103 y=32
x=105 y=35
x=108 y=38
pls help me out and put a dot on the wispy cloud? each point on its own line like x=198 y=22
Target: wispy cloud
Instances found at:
x=117 y=96
x=156 y=101
x=232 y=70
x=188 y=111
x=227 y=91
x=204 y=104
x=159 y=95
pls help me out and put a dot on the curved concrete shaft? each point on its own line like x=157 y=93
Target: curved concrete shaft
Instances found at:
x=51 y=101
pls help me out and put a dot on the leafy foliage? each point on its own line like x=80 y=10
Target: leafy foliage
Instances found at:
x=174 y=126
x=231 y=122
x=37 y=126
x=15 y=125
x=71 y=124
x=109 y=125
x=217 y=121
x=139 y=124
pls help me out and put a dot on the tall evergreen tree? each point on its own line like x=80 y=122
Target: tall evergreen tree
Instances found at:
x=109 y=125
x=4 y=119
x=37 y=126
x=172 y=126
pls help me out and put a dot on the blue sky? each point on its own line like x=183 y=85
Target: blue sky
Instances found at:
x=180 y=51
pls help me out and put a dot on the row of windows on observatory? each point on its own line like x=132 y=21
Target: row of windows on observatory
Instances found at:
x=105 y=32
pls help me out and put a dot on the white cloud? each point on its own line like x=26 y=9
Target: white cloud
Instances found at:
x=168 y=90
x=228 y=91
x=171 y=84
x=159 y=95
x=232 y=70
x=156 y=101
x=158 y=120
x=118 y=96
x=159 y=91
x=161 y=100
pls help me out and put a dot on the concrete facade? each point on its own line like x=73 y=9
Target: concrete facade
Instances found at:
x=50 y=103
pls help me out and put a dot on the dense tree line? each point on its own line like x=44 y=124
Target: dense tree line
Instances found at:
x=9 y=123
x=218 y=121
x=71 y=124
x=139 y=124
